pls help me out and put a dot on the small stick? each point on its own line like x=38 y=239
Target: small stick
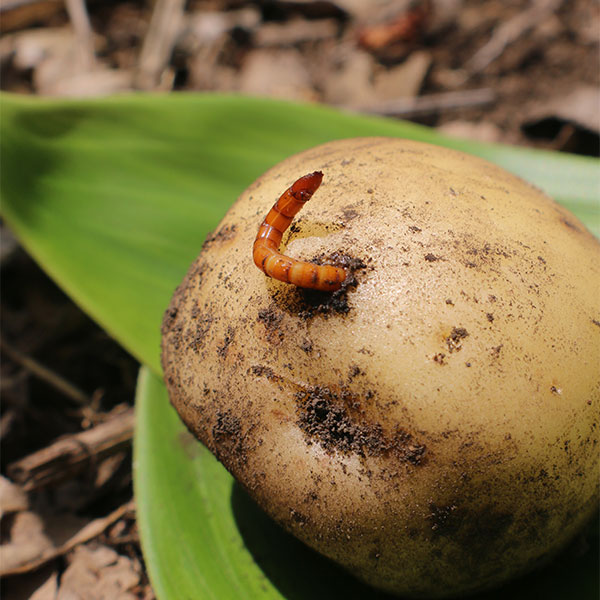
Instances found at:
x=68 y=455
x=83 y=33
x=432 y=103
x=22 y=14
x=509 y=32
x=164 y=28
x=45 y=374
x=90 y=531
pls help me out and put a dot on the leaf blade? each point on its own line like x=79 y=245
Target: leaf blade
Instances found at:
x=114 y=197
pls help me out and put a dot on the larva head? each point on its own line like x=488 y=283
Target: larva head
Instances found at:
x=304 y=187
x=433 y=426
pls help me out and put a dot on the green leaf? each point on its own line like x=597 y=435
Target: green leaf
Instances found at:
x=204 y=538
x=114 y=198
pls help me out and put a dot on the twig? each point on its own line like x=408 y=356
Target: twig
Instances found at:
x=20 y=14
x=509 y=32
x=432 y=103
x=83 y=33
x=88 y=532
x=70 y=454
x=164 y=28
x=45 y=374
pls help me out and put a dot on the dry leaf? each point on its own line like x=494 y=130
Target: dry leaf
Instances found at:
x=97 y=82
x=579 y=107
x=48 y=590
x=483 y=132
x=98 y=573
x=12 y=497
x=281 y=74
x=405 y=80
x=205 y=28
x=28 y=542
x=374 y=11
x=295 y=32
x=41 y=584
x=351 y=84
x=34 y=542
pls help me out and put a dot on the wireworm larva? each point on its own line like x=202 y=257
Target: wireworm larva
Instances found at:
x=266 y=253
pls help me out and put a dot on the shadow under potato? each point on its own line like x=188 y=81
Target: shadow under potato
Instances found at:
x=300 y=573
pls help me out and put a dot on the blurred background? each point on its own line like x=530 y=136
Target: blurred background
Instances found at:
x=524 y=72
x=515 y=71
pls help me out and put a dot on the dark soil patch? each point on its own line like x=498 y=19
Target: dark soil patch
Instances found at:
x=334 y=420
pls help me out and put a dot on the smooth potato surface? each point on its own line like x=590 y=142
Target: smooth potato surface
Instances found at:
x=434 y=427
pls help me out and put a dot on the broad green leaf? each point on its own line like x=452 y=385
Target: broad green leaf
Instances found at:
x=114 y=197
x=204 y=538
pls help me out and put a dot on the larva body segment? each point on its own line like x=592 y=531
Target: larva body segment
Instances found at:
x=266 y=253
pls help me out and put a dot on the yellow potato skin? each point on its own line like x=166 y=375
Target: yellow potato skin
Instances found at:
x=441 y=435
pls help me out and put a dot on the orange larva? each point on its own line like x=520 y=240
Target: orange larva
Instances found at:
x=266 y=253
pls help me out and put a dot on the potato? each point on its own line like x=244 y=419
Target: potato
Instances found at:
x=433 y=426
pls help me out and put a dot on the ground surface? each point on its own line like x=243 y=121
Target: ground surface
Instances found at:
x=518 y=72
